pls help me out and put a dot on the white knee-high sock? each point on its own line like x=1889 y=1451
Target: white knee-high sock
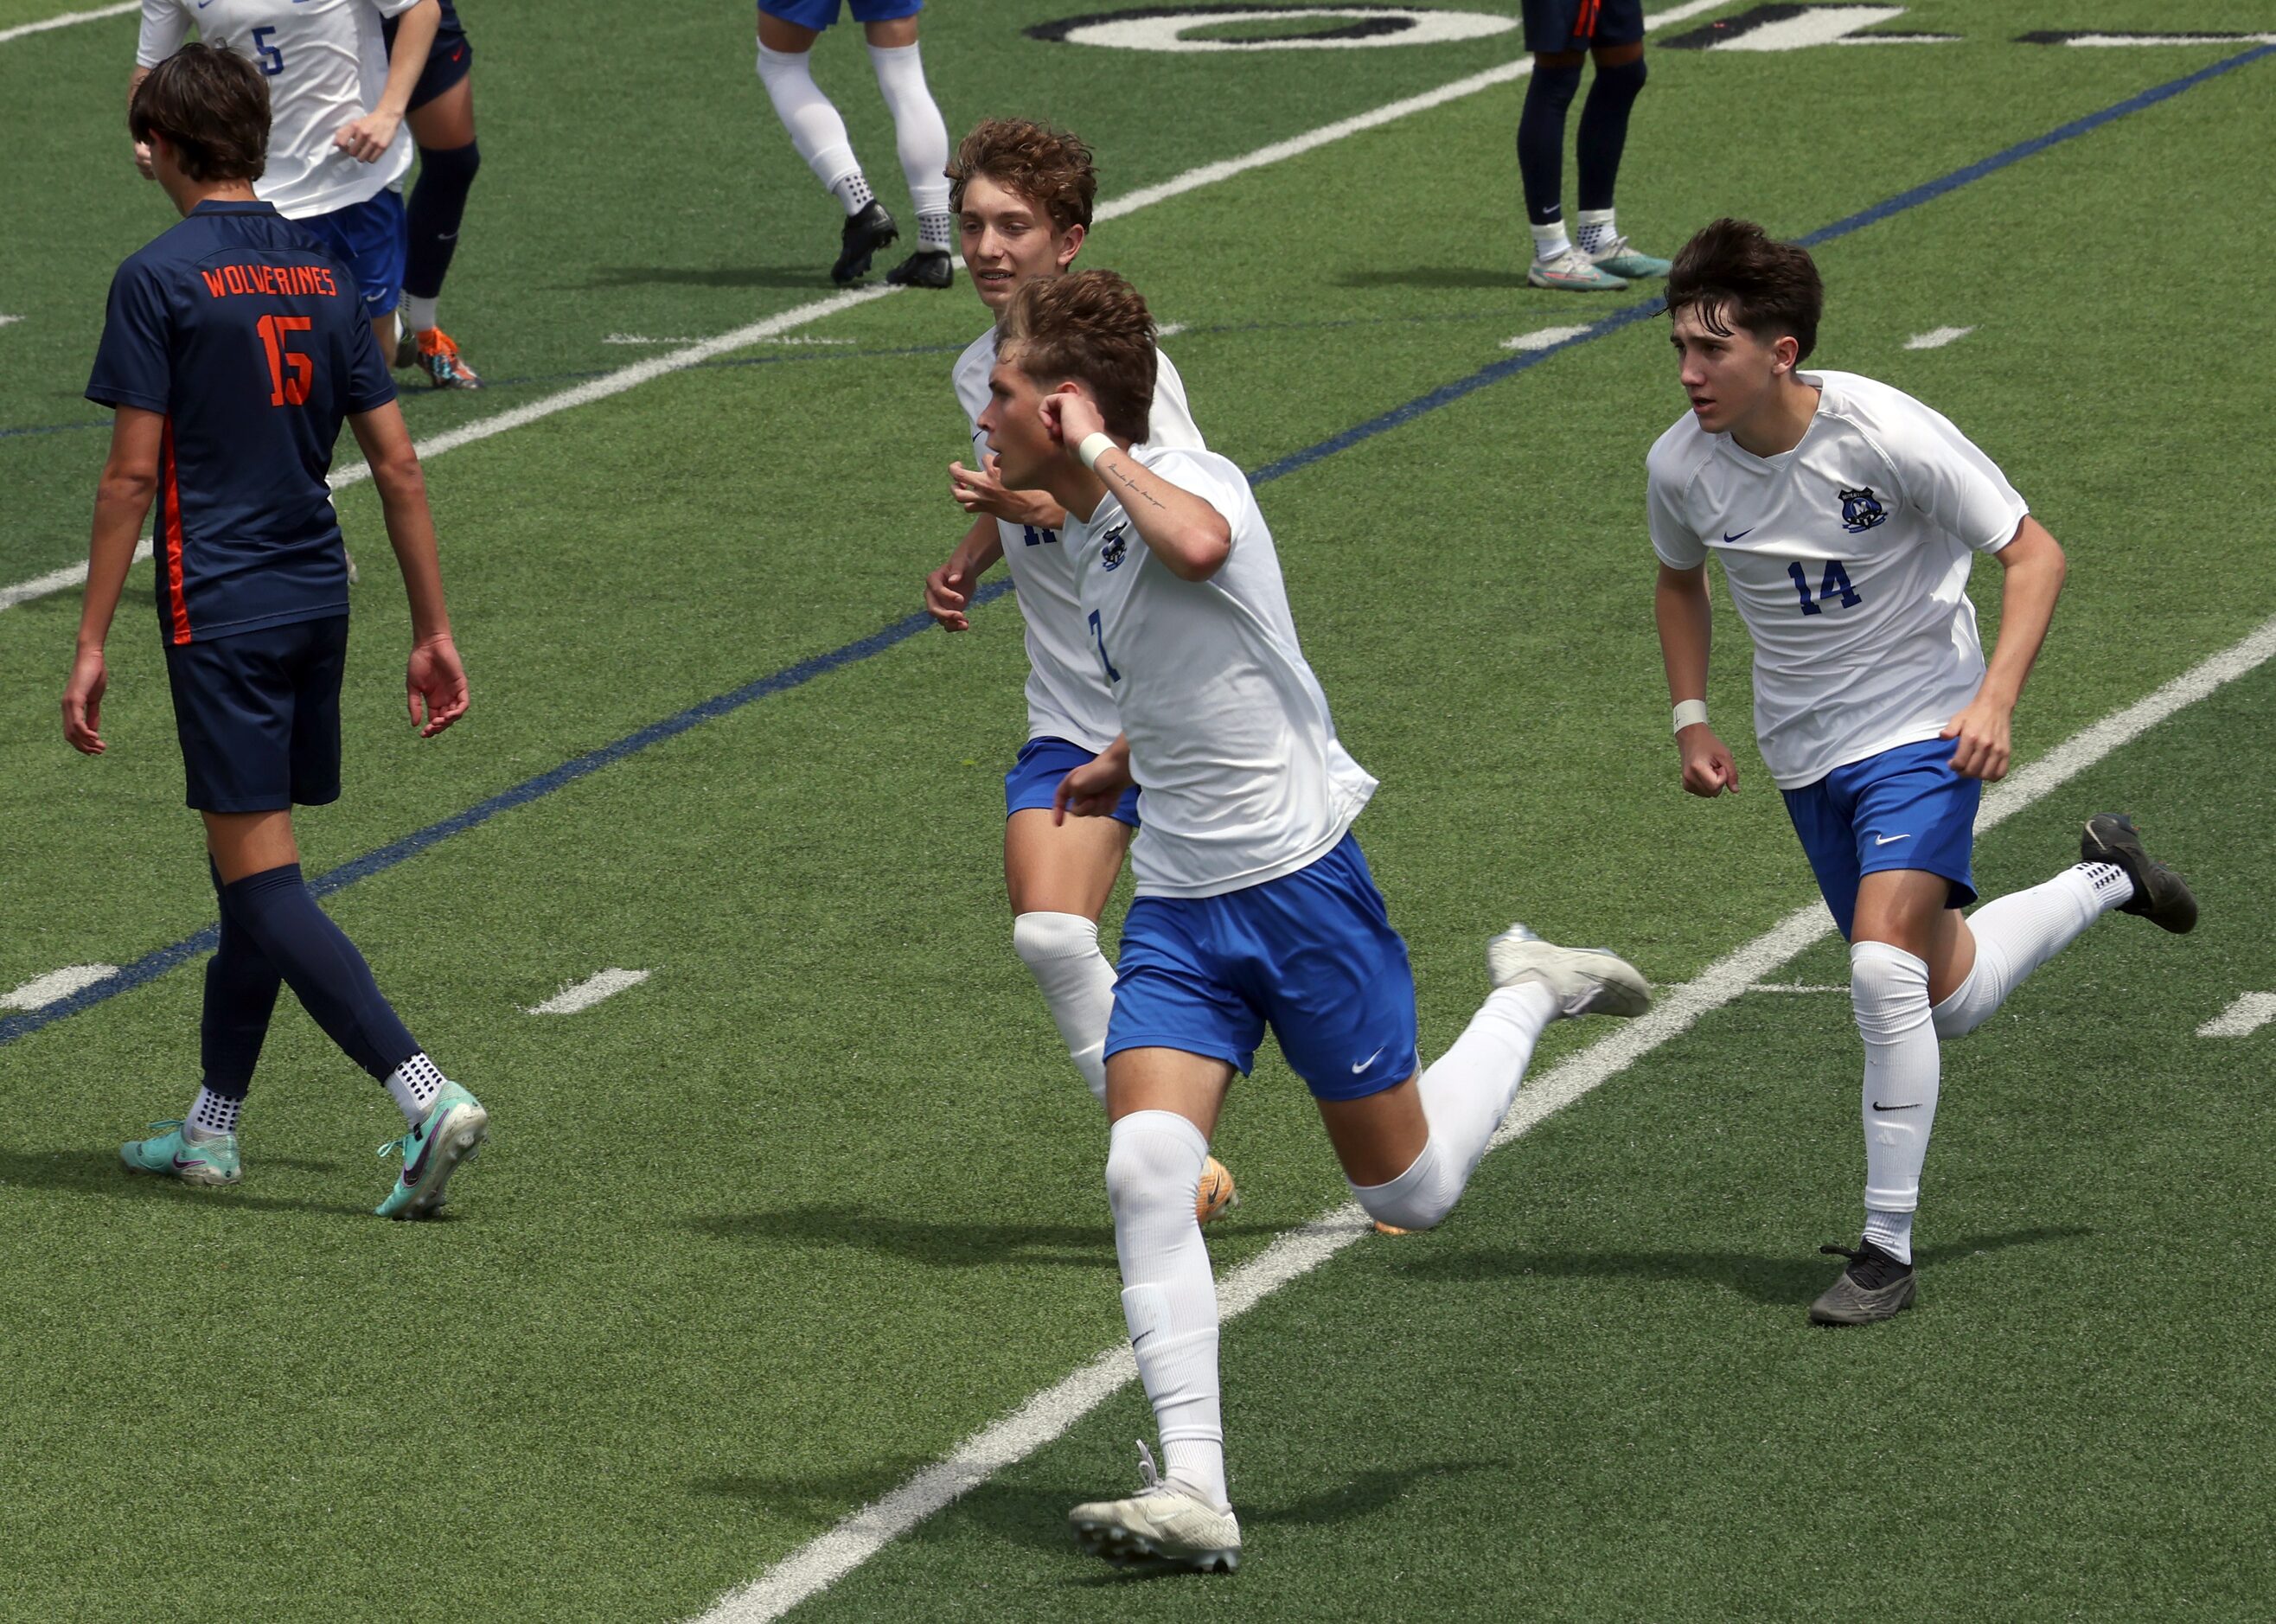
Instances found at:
x=1169 y=1299
x=2017 y=933
x=812 y=121
x=919 y=134
x=1888 y=988
x=1465 y=1096
x=1061 y=951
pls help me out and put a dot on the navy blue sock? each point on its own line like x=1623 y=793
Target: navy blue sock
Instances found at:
x=241 y=993
x=1541 y=140
x=438 y=202
x=1605 y=129
x=321 y=965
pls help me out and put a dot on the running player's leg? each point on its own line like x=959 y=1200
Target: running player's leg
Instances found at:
x=920 y=134
x=1059 y=877
x=787 y=31
x=1556 y=34
x=442 y=119
x=1617 y=47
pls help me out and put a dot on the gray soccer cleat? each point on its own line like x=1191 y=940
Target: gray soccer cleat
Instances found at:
x=1874 y=1286
x=1573 y=271
x=1587 y=980
x=2160 y=895
x=1162 y=1521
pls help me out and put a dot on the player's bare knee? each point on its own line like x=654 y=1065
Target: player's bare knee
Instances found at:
x=1042 y=937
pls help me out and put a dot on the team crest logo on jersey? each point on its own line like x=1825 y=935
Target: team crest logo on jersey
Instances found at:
x=1861 y=510
x=1114 y=548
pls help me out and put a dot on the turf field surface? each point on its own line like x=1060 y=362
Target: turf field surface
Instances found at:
x=765 y=1234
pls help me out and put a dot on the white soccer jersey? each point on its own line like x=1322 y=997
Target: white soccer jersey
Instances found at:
x=1230 y=735
x=1848 y=558
x=326 y=62
x=1068 y=696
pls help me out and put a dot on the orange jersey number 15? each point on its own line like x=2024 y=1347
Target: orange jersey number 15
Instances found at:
x=290 y=372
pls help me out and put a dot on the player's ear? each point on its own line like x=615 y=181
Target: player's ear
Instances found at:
x=1788 y=351
x=1071 y=243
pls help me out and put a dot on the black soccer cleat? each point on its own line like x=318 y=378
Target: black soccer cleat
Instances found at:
x=1874 y=1286
x=2160 y=896
x=926 y=268
x=865 y=233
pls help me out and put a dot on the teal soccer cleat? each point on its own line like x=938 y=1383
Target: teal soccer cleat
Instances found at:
x=210 y=1162
x=452 y=1130
x=1624 y=262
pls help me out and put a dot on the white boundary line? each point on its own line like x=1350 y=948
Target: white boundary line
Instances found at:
x=586 y=993
x=57 y=581
x=757 y=333
x=2241 y=1019
x=816 y=1565
x=67 y=20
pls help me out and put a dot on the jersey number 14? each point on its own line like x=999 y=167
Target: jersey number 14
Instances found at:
x=1835 y=585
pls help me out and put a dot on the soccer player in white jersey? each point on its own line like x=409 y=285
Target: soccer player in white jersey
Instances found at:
x=1254 y=906
x=337 y=149
x=1022 y=193
x=1847 y=515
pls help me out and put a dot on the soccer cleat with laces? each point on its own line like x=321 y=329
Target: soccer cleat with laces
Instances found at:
x=1586 y=981
x=864 y=233
x=1573 y=271
x=2160 y=896
x=926 y=268
x=1164 y=1521
x=1874 y=1286
x=210 y=1161
x=436 y=353
x=1621 y=260
x=449 y=1134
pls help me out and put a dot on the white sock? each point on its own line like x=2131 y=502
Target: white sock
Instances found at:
x=2017 y=933
x=211 y=1114
x=812 y=121
x=414 y=1084
x=1888 y=988
x=1465 y=1096
x=1168 y=1299
x=1550 y=242
x=419 y=314
x=852 y=191
x=1597 y=232
x=1061 y=952
x=919 y=133
x=936 y=232
x=1893 y=1232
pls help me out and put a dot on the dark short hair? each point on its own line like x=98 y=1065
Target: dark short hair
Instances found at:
x=1735 y=275
x=1091 y=327
x=212 y=106
x=1047 y=166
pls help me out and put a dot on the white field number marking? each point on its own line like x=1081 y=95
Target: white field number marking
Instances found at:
x=1406 y=25
x=67 y=20
x=588 y=992
x=2242 y=1018
x=1937 y=337
x=57 y=985
x=1542 y=338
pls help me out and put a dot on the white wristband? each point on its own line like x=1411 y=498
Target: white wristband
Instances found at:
x=1690 y=713
x=1093 y=447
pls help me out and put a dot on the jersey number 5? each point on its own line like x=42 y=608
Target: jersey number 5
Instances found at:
x=290 y=372
x=273 y=60
x=1836 y=584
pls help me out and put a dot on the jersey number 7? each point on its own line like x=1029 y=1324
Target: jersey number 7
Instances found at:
x=290 y=372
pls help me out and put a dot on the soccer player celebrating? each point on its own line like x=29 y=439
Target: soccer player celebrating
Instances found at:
x=1022 y=194
x=338 y=145
x=1562 y=34
x=233 y=349
x=1255 y=906
x=1847 y=516
x=441 y=119
x=787 y=31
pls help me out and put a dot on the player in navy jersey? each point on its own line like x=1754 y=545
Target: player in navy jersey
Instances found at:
x=233 y=347
x=442 y=120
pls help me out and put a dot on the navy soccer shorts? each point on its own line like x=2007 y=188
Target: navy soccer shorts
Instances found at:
x=1903 y=808
x=1033 y=783
x=450 y=59
x=1312 y=954
x=258 y=714
x=1578 y=25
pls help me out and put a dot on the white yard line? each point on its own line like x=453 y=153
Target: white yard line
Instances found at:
x=57 y=581
x=1937 y=337
x=588 y=992
x=1542 y=338
x=2242 y=1018
x=42 y=990
x=10 y=321
x=67 y=20
x=743 y=338
x=814 y=1567
x=1792 y=986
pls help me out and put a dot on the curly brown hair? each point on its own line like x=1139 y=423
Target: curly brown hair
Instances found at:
x=1092 y=327
x=1047 y=166
x=212 y=105
x=1737 y=274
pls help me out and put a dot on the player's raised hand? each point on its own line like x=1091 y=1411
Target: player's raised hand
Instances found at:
x=436 y=681
x=1982 y=747
x=365 y=139
x=982 y=490
x=1071 y=416
x=1094 y=789
x=83 y=702
x=948 y=594
x=1708 y=768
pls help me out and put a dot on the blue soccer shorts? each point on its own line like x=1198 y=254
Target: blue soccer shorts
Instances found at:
x=372 y=238
x=820 y=14
x=1903 y=808
x=1312 y=954
x=258 y=714
x=1579 y=25
x=1034 y=781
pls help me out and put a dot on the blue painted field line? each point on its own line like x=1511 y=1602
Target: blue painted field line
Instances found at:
x=153 y=965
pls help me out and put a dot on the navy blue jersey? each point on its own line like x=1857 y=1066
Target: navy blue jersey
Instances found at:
x=253 y=341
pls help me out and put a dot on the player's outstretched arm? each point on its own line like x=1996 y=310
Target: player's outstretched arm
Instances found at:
x=365 y=139
x=1188 y=534
x=2032 y=568
x=434 y=680
x=122 y=501
x=982 y=490
x=1679 y=606
x=948 y=591
x=1094 y=789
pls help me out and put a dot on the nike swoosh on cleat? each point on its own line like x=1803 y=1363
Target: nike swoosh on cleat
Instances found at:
x=413 y=1171
x=179 y=1164
x=1878 y=1106
x=1889 y=839
x=1729 y=539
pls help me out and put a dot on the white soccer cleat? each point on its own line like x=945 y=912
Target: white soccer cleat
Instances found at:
x=1585 y=980
x=1162 y=1521
x=1575 y=272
